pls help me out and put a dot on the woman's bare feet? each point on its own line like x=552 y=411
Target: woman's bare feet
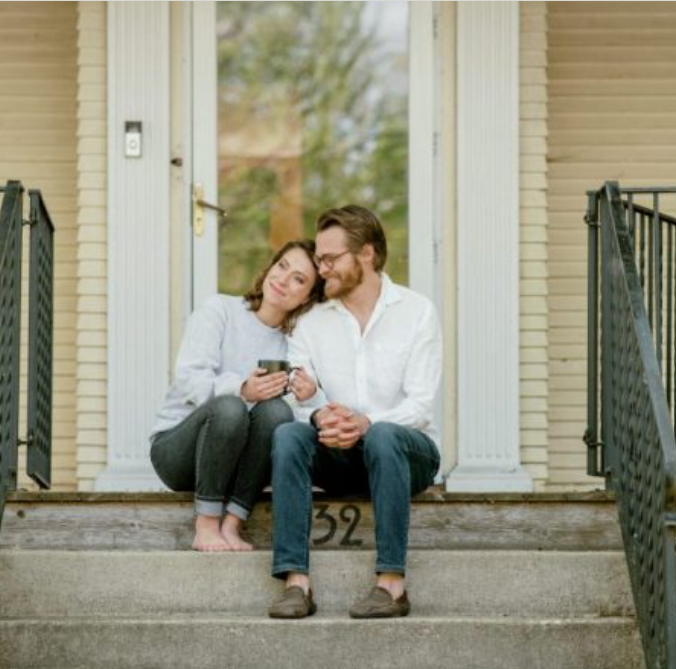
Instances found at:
x=207 y=535
x=230 y=532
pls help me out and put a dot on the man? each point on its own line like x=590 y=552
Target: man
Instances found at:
x=375 y=349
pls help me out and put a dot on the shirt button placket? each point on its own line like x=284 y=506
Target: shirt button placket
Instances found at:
x=361 y=376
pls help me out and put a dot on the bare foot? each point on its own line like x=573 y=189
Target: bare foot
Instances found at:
x=230 y=533
x=207 y=536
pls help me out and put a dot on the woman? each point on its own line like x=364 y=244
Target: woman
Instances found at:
x=213 y=435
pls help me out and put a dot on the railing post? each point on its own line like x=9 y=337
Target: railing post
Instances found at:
x=591 y=437
x=657 y=278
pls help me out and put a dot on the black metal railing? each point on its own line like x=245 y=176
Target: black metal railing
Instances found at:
x=40 y=336
x=630 y=389
x=11 y=221
x=40 y=328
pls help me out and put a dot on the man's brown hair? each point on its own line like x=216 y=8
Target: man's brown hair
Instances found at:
x=254 y=297
x=361 y=227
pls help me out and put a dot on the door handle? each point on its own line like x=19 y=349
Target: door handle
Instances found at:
x=198 y=207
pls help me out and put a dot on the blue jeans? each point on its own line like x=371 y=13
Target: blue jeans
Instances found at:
x=392 y=463
x=221 y=451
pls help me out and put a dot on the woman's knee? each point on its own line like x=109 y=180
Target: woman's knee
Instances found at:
x=274 y=412
x=227 y=413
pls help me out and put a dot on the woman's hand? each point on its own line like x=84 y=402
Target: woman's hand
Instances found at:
x=302 y=385
x=262 y=386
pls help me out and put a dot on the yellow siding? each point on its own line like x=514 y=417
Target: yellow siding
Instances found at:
x=38 y=79
x=533 y=217
x=612 y=114
x=92 y=249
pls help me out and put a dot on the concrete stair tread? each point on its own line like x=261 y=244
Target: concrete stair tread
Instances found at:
x=441 y=582
x=335 y=642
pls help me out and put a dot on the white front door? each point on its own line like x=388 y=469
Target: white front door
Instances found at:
x=295 y=107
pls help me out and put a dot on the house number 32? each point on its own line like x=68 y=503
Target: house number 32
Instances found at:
x=349 y=513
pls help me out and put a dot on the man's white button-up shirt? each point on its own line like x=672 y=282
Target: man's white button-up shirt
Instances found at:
x=391 y=371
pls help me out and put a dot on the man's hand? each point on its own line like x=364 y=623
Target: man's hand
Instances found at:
x=340 y=427
x=302 y=385
x=262 y=386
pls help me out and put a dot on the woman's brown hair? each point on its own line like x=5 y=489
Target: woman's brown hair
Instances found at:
x=254 y=297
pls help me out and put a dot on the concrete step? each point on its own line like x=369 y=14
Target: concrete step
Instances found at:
x=222 y=642
x=164 y=521
x=510 y=584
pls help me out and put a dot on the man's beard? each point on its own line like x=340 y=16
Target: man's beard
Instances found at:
x=345 y=283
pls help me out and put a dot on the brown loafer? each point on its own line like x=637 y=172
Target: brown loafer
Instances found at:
x=379 y=603
x=294 y=603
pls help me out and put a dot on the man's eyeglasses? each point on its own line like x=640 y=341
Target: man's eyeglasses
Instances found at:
x=328 y=259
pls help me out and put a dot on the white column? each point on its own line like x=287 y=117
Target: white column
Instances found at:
x=138 y=239
x=488 y=250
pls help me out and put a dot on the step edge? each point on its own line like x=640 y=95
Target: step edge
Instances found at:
x=242 y=555
x=95 y=620
x=433 y=495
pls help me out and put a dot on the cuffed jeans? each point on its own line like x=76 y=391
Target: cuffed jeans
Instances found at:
x=392 y=463
x=221 y=451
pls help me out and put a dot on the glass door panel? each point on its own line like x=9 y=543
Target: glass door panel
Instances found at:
x=312 y=113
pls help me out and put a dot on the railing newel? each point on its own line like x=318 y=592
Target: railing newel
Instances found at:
x=594 y=466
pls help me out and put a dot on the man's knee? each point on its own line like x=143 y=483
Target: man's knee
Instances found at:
x=292 y=440
x=383 y=441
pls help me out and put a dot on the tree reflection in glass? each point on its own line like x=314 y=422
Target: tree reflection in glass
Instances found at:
x=313 y=100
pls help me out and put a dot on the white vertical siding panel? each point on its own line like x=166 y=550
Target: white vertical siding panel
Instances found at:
x=488 y=246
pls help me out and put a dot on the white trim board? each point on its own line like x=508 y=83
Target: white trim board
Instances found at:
x=426 y=173
x=203 y=149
